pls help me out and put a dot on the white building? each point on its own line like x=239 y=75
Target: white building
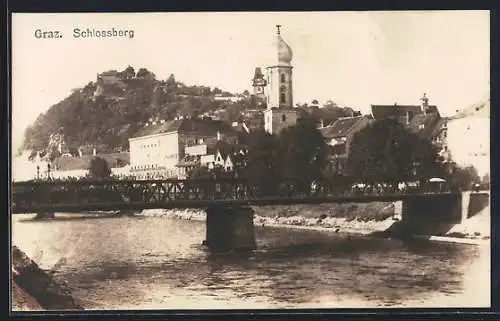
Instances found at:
x=468 y=138
x=158 y=149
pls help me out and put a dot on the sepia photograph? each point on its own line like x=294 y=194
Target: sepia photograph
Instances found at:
x=250 y=160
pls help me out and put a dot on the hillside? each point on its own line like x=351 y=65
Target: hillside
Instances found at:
x=109 y=110
x=106 y=112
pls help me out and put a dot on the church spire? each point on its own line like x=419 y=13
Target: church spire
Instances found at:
x=278 y=28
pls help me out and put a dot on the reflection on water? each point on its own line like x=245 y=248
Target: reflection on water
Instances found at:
x=157 y=262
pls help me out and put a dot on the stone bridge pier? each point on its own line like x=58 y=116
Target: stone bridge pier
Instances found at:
x=437 y=214
x=229 y=228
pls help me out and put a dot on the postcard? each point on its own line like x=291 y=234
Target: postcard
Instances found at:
x=250 y=160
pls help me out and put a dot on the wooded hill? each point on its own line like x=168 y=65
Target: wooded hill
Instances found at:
x=111 y=109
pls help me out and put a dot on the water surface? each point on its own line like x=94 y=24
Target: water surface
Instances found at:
x=157 y=262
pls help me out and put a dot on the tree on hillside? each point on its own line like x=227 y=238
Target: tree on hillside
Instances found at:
x=386 y=151
x=99 y=168
x=129 y=72
x=120 y=111
x=143 y=72
x=302 y=153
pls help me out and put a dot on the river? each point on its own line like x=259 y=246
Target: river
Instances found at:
x=157 y=262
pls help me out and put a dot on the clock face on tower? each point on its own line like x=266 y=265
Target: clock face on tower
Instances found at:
x=260 y=82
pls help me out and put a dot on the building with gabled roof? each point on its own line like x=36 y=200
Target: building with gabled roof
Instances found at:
x=339 y=136
x=158 y=149
x=222 y=153
x=424 y=124
x=403 y=113
x=433 y=127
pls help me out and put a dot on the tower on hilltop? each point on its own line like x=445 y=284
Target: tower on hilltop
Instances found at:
x=280 y=113
x=259 y=83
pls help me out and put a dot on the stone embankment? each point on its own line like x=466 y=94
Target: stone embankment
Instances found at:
x=363 y=218
x=35 y=289
x=345 y=218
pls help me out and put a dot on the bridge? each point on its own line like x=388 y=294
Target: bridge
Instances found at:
x=227 y=201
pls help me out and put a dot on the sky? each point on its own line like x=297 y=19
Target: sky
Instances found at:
x=352 y=58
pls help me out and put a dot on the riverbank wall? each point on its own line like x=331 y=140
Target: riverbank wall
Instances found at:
x=375 y=218
x=34 y=289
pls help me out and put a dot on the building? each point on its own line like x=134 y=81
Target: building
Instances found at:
x=259 y=83
x=280 y=113
x=158 y=150
x=339 y=136
x=108 y=77
x=220 y=154
x=468 y=137
x=433 y=127
x=403 y=113
x=231 y=98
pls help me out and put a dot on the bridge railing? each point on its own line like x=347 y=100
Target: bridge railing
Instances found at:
x=32 y=193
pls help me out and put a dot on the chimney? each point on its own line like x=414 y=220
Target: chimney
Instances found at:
x=425 y=103
x=218 y=136
x=80 y=153
x=321 y=124
x=94 y=152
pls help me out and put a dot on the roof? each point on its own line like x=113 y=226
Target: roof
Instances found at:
x=109 y=73
x=206 y=127
x=432 y=109
x=395 y=111
x=480 y=109
x=258 y=74
x=341 y=127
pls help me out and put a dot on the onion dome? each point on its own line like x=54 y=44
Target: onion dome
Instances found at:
x=285 y=53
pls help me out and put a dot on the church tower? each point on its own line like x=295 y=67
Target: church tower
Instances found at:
x=280 y=113
x=259 y=83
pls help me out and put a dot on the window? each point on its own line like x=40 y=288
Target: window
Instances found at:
x=282 y=77
x=283 y=118
x=282 y=98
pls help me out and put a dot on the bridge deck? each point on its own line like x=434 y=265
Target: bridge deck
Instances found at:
x=60 y=196
x=109 y=206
